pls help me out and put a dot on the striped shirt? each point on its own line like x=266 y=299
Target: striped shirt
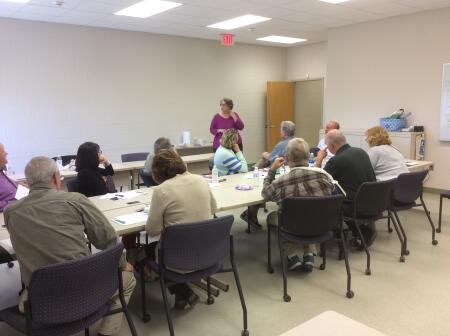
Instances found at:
x=300 y=181
x=228 y=162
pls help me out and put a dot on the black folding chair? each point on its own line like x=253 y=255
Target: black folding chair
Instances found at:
x=68 y=297
x=408 y=189
x=130 y=157
x=370 y=201
x=443 y=195
x=6 y=258
x=309 y=220
x=147 y=179
x=198 y=248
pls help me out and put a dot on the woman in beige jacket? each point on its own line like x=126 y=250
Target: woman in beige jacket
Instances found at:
x=180 y=197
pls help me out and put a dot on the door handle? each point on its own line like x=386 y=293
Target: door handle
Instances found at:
x=269 y=126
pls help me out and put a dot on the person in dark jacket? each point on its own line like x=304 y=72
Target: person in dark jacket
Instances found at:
x=92 y=179
x=351 y=167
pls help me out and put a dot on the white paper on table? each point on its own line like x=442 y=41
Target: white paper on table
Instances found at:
x=21 y=192
x=132 y=218
x=107 y=196
x=128 y=194
x=411 y=163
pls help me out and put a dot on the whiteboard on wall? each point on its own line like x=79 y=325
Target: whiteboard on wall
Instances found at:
x=444 y=134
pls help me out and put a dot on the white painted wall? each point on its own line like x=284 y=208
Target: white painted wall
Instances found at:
x=376 y=67
x=61 y=85
x=309 y=60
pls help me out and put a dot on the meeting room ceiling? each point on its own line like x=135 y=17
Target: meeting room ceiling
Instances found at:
x=308 y=19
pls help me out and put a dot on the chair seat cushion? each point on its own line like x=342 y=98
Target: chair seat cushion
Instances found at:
x=185 y=277
x=446 y=194
x=17 y=320
x=306 y=240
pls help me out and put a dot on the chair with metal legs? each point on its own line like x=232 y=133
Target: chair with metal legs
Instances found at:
x=409 y=189
x=69 y=297
x=443 y=195
x=370 y=201
x=200 y=249
x=308 y=220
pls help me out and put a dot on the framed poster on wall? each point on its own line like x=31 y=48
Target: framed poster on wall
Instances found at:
x=444 y=134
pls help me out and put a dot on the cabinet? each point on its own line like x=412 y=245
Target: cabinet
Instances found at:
x=408 y=143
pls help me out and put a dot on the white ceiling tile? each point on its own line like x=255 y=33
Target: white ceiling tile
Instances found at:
x=297 y=18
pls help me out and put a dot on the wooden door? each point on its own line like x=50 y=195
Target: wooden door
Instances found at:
x=280 y=107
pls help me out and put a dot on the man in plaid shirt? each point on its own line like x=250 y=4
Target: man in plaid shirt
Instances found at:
x=300 y=181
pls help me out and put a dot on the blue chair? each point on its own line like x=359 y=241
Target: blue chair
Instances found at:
x=68 y=297
x=198 y=248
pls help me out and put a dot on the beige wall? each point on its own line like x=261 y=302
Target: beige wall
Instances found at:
x=304 y=61
x=61 y=85
x=377 y=67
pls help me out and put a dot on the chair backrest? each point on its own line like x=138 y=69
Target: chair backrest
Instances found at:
x=147 y=179
x=310 y=216
x=372 y=198
x=314 y=150
x=65 y=159
x=72 y=185
x=130 y=157
x=72 y=290
x=196 y=246
x=409 y=186
x=110 y=185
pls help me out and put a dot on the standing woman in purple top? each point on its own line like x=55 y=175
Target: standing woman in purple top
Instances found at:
x=8 y=187
x=225 y=119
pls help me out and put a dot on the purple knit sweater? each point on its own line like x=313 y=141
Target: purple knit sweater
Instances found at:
x=219 y=122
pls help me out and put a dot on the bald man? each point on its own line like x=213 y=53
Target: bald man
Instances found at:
x=331 y=125
x=351 y=167
x=8 y=187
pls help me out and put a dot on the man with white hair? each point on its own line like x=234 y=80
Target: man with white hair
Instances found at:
x=331 y=125
x=351 y=167
x=300 y=181
x=287 y=131
x=49 y=226
x=8 y=187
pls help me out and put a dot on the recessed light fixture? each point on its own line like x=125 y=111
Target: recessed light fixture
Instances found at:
x=16 y=1
x=281 y=39
x=334 y=1
x=238 y=22
x=147 y=8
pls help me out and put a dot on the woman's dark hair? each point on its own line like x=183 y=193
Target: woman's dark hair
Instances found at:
x=87 y=156
x=166 y=165
x=228 y=102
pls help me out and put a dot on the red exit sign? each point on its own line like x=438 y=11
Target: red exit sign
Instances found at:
x=227 y=39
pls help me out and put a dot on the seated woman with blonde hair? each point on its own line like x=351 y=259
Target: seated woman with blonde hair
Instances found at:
x=387 y=161
x=228 y=158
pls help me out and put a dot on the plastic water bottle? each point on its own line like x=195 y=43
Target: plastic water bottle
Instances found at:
x=256 y=176
x=312 y=160
x=59 y=162
x=215 y=175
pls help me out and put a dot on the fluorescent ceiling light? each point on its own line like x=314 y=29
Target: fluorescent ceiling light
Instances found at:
x=281 y=39
x=17 y=1
x=240 y=21
x=334 y=1
x=147 y=8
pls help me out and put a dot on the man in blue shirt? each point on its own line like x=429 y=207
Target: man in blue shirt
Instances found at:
x=287 y=131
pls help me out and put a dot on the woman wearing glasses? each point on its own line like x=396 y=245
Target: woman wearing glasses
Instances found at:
x=224 y=120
